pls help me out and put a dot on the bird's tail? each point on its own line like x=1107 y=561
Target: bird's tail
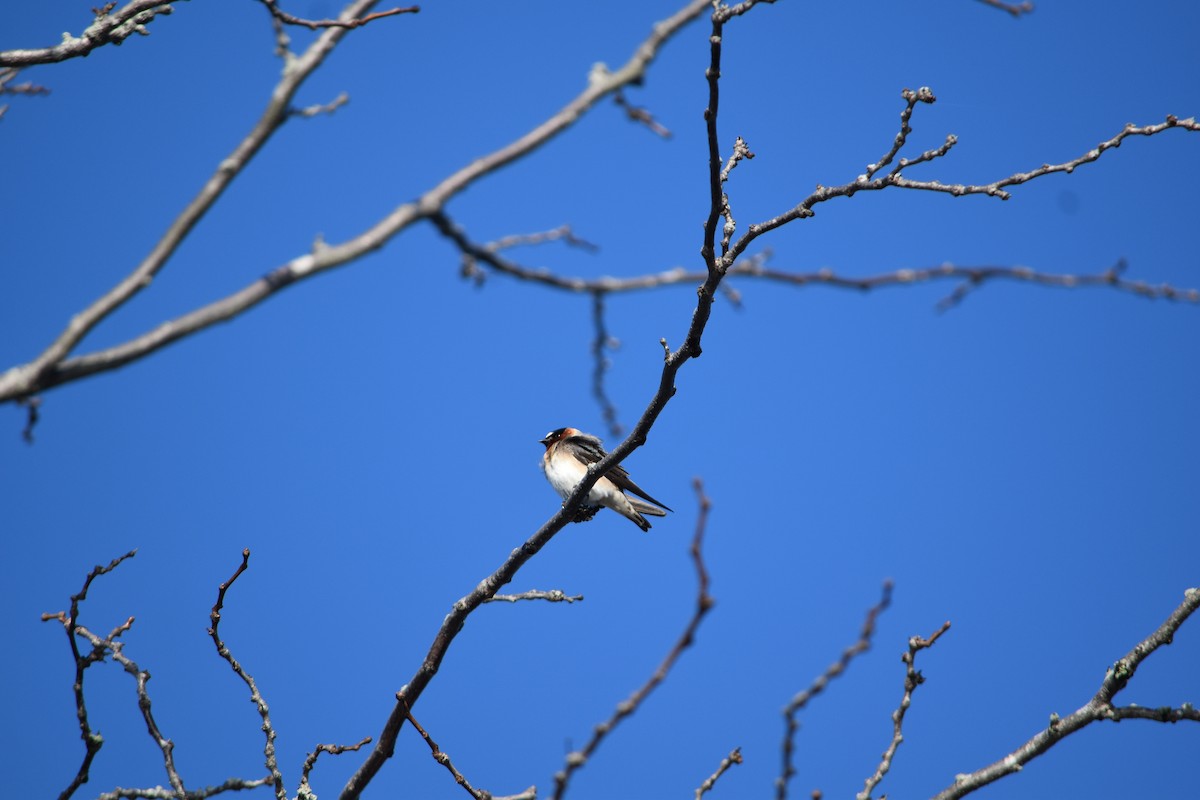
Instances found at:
x=646 y=508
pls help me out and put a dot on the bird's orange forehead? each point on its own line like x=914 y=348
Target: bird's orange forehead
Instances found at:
x=555 y=436
x=559 y=434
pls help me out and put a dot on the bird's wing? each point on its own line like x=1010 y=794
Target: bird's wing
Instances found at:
x=589 y=450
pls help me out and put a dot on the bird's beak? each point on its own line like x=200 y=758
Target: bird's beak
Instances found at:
x=545 y=441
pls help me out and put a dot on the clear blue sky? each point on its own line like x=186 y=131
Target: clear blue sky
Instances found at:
x=1025 y=465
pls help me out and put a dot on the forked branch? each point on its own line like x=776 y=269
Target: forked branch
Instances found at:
x=1099 y=708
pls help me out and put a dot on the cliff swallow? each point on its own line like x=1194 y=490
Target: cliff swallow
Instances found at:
x=568 y=454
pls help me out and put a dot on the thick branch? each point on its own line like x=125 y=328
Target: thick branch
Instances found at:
x=49 y=369
x=53 y=367
x=109 y=27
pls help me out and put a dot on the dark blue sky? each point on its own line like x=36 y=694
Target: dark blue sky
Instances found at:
x=1025 y=464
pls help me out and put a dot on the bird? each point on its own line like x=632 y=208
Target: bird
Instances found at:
x=569 y=453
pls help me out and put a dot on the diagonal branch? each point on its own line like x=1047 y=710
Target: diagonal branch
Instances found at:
x=1099 y=708
x=443 y=758
x=800 y=701
x=53 y=367
x=1016 y=9
x=734 y=757
x=109 y=27
x=49 y=368
x=92 y=741
x=912 y=679
x=142 y=677
x=704 y=604
x=868 y=183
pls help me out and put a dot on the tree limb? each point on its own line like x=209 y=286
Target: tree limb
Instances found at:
x=1099 y=708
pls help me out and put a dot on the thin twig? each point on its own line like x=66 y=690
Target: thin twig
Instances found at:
x=305 y=792
x=142 y=677
x=564 y=233
x=1099 y=708
x=92 y=741
x=162 y=793
x=321 y=108
x=704 y=603
x=33 y=407
x=9 y=74
x=800 y=701
x=641 y=115
x=912 y=679
x=735 y=757
x=600 y=365
x=552 y=596
x=1016 y=9
x=911 y=98
x=255 y=697
x=443 y=758
x=342 y=22
x=866 y=181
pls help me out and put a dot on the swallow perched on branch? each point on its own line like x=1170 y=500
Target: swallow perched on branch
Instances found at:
x=569 y=453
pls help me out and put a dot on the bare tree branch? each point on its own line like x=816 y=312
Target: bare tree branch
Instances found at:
x=866 y=181
x=356 y=22
x=23 y=380
x=92 y=741
x=444 y=759
x=755 y=267
x=321 y=108
x=470 y=264
x=108 y=27
x=600 y=364
x=912 y=679
x=143 y=696
x=734 y=757
x=553 y=596
x=255 y=697
x=1016 y=9
x=305 y=792
x=640 y=114
x=32 y=407
x=101 y=647
x=161 y=793
x=53 y=367
x=704 y=604
x=797 y=703
x=7 y=76
x=1099 y=708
